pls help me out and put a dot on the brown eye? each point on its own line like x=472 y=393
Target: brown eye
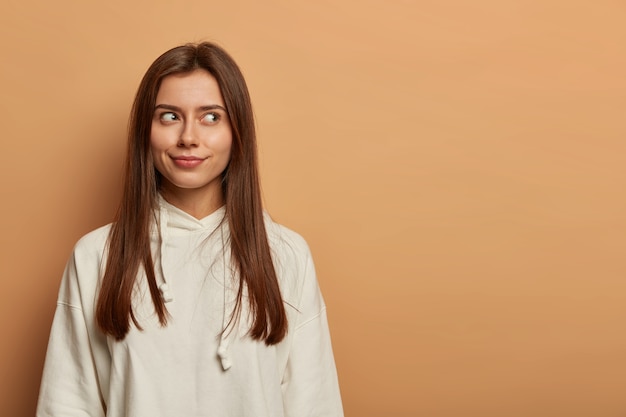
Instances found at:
x=168 y=117
x=211 y=117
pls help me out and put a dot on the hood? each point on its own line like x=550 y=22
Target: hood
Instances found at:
x=172 y=221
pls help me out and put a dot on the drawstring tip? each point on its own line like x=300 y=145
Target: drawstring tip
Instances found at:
x=222 y=352
x=165 y=293
x=226 y=364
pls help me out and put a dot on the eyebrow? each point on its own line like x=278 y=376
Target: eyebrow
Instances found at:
x=178 y=109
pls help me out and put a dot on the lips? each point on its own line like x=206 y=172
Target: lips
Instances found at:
x=187 y=161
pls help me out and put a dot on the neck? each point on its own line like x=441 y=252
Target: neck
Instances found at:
x=198 y=203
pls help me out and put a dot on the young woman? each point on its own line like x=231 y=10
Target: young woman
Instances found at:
x=193 y=302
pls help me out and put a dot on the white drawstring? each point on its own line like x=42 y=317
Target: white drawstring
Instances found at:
x=166 y=293
x=222 y=349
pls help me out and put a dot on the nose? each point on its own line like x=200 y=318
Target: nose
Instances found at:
x=187 y=135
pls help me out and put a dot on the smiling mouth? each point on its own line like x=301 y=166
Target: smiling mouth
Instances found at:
x=188 y=157
x=187 y=161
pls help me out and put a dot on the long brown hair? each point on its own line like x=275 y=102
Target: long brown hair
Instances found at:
x=129 y=239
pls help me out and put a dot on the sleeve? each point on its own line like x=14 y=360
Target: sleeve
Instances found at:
x=310 y=384
x=70 y=386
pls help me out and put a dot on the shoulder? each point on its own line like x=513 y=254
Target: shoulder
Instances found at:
x=80 y=279
x=93 y=243
x=296 y=273
x=286 y=243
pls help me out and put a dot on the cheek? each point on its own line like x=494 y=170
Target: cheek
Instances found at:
x=228 y=146
x=157 y=147
x=224 y=149
x=158 y=139
x=155 y=155
x=222 y=144
x=156 y=161
x=160 y=147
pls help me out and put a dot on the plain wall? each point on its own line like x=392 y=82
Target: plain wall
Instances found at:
x=458 y=169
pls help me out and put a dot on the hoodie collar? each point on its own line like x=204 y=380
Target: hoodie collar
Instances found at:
x=176 y=220
x=173 y=221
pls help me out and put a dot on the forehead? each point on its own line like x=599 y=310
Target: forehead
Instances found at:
x=190 y=89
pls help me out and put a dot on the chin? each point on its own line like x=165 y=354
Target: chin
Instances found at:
x=193 y=185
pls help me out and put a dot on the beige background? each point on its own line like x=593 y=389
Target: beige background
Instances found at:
x=457 y=167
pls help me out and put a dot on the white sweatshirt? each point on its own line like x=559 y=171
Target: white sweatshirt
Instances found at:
x=185 y=369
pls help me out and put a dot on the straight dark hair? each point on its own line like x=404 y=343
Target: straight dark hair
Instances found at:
x=129 y=239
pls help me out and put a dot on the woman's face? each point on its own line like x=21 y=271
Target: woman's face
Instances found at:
x=191 y=136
